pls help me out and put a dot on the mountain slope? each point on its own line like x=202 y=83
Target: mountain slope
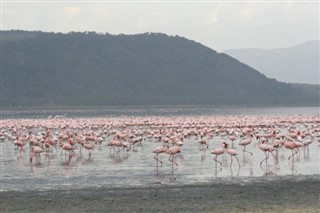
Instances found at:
x=52 y=69
x=299 y=64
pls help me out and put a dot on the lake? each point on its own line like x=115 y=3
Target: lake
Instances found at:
x=138 y=167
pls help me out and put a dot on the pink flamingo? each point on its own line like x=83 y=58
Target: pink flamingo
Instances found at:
x=20 y=143
x=67 y=147
x=173 y=151
x=89 y=147
x=219 y=151
x=36 y=150
x=232 y=138
x=135 y=140
x=232 y=153
x=305 y=144
x=119 y=144
x=49 y=141
x=203 y=144
x=291 y=145
x=158 y=150
x=265 y=148
x=244 y=143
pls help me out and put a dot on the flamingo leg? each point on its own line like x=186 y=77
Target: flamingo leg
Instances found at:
x=298 y=151
x=159 y=160
x=264 y=158
x=238 y=161
x=293 y=153
x=215 y=159
x=171 y=160
x=156 y=157
x=274 y=156
x=244 y=150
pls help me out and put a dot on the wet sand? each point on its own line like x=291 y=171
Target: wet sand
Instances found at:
x=289 y=194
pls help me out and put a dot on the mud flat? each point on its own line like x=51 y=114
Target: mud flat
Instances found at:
x=278 y=194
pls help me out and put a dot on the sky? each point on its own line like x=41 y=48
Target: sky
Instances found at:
x=219 y=25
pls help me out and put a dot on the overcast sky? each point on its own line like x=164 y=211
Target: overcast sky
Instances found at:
x=218 y=25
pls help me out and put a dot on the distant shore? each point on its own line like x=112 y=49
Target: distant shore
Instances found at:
x=280 y=195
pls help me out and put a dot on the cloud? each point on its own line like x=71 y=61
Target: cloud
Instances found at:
x=219 y=25
x=102 y=9
x=71 y=11
x=247 y=13
x=212 y=16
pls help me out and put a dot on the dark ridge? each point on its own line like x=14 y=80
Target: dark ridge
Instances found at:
x=90 y=69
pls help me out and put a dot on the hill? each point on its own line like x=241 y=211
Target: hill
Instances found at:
x=83 y=69
x=298 y=64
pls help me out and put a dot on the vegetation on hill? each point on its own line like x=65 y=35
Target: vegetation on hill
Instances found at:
x=86 y=69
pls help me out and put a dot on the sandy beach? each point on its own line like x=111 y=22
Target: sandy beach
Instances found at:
x=279 y=195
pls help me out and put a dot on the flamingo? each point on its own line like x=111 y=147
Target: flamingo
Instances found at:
x=119 y=144
x=49 y=141
x=244 y=143
x=265 y=148
x=158 y=150
x=232 y=153
x=89 y=147
x=232 y=138
x=20 y=143
x=173 y=151
x=219 y=151
x=67 y=147
x=291 y=145
x=203 y=144
x=36 y=150
x=305 y=144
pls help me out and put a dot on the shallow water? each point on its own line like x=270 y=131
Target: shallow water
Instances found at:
x=138 y=168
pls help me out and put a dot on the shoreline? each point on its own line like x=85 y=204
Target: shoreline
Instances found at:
x=279 y=195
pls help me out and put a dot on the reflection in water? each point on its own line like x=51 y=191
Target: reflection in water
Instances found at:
x=66 y=160
x=216 y=170
x=271 y=170
x=203 y=158
x=173 y=168
x=232 y=161
x=79 y=159
x=282 y=157
x=20 y=160
x=158 y=179
x=118 y=159
x=247 y=163
x=293 y=169
x=49 y=158
x=237 y=172
x=33 y=168
x=267 y=171
x=88 y=161
x=306 y=154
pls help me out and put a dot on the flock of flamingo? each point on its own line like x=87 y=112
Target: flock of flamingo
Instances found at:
x=73 y=136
